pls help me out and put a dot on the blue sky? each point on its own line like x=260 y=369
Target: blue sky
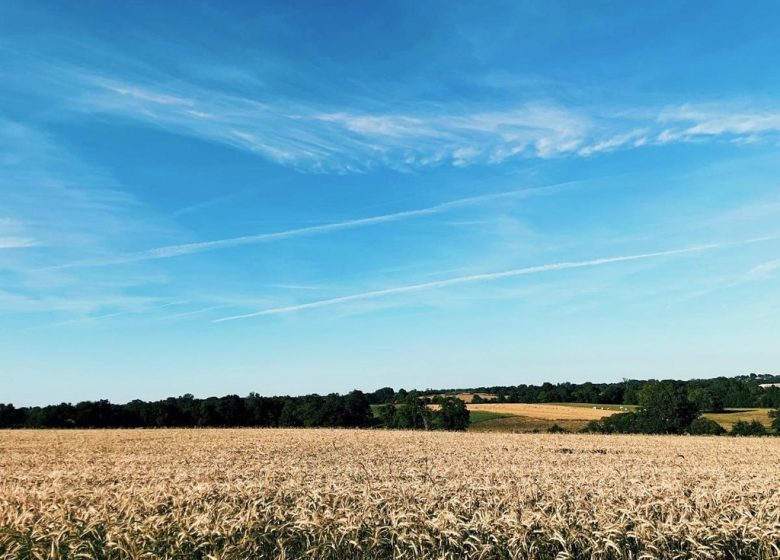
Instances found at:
x=222 y=197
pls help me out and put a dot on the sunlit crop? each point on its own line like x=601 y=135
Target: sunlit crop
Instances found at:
x=337 y=494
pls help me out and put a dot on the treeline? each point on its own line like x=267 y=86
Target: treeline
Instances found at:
x=676 y=410
x=353 y=410
x=709 y=395
x=666 y=407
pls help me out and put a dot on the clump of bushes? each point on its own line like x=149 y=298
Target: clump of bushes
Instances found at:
x=705 y=427
x=664 y=408
x=753 y=428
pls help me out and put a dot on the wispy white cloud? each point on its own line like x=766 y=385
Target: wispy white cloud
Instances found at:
x=298 y=134
x=171 y=251
x=56 y=207
x=17 y=242
x=477 y=278
x=335 y=139
x=635 y=138
x=763 y=270
x=217 y=200
x=357 y=134
x=132 y=306
x=688 y=122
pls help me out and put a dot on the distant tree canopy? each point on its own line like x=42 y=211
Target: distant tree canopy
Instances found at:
x=667 y=407
x=663 y=407
x=413 y=413
x=709 y=395
x=452 y=415
x=352 y=410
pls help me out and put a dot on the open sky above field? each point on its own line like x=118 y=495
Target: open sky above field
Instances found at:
x=222 y=197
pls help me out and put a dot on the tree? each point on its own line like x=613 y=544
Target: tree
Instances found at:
x=452 y=415
x=357 y=409
x=664 y=408
x=10 y=417
x=382 y=396
x=612 y=393
x=770 y=398
x=412 y=414
x=388 y=416
x=775 y=414
x=231 y=411
x=706 y=400
x=631 y=391
x=262 y=411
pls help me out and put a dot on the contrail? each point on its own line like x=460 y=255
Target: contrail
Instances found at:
x=171 y=251
x=487 y=277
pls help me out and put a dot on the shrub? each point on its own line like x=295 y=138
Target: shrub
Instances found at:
x=705 y=427
x=556 y=429
x=742 y=428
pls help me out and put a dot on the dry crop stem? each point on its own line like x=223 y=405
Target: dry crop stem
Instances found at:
x=344 y=494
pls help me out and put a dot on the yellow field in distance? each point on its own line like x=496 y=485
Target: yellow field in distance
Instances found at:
x=544 y=411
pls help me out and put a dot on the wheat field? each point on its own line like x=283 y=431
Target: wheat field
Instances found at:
x=546 y=411
x=348 y=494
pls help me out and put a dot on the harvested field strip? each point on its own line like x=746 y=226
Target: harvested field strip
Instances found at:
x=728 y=418
x=544 y=411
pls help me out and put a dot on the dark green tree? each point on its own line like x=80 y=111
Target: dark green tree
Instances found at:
x=452 y=415
x=412 y=414
x=10 y=417
x=775 y=415
x=753 y=428
x=705 y=427
x=388 y=416
x=664 y=408
x=705 y=399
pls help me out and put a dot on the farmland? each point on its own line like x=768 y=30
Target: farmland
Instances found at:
x=526 y=417
x=546 y=411
x=337 y=494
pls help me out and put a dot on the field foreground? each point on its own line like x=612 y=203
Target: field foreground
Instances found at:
x=336 y=494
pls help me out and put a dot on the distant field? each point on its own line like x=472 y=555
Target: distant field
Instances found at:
x=526 y=417
x=466 y=397
x=479 y=416
x=545 y=411
x=233 y=494
x=733 y=415
x=615 y=407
